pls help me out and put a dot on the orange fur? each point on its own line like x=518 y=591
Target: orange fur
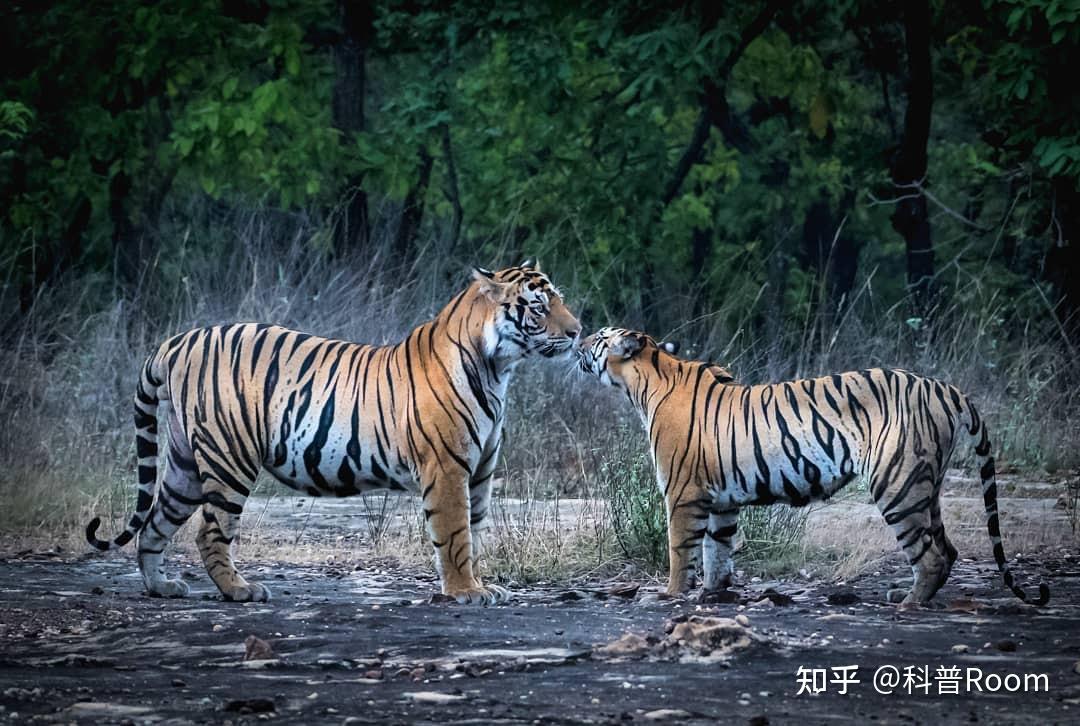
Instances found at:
x=720 y=445
x=329 y=417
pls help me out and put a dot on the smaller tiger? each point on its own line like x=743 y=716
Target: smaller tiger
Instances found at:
x=718 y=445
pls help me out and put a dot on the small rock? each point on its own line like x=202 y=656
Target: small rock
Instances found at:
x=759 y=720
x=628 y=590
x=1006 y=645
x=778 y=598
x=960 y=648
x=256 y=648
x=178 y=683
x=434 y=697
x=1076 y=668
x=895 y=595
x=417 y=673
x=569 y=595
x=742 y=620
x=250 y=705
x=719 y=596
x=217 y=627
x=843 y=597
x=97 y=590
x=666 y=714
x=374 y=674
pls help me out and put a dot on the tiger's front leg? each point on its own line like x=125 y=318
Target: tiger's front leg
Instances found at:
x=480 y=494
x=446 y=511
x=685 y=530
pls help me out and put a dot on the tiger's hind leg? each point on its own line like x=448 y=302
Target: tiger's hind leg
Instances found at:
x=686 y=529
x=218 y=530
x=942 y=540
x=178 y=497
x=717 y=548
x=922 y=539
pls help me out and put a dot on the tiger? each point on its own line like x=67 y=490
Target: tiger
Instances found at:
x=330 y=417
x=718 y=445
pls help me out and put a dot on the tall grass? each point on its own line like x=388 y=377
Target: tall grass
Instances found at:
x=68 y=370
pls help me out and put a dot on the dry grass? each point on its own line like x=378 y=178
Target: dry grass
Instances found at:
x=68 y=370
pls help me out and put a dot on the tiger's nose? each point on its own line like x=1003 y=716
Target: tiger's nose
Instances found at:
x=572 y=332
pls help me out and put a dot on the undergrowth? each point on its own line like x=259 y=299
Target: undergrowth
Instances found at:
x=68 y=369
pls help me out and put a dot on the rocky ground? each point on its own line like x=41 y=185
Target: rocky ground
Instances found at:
x=81 y=643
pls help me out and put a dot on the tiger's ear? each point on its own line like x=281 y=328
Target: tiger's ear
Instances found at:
x=720 y=373
x=627 y=346
x=670 y=346
x=527 y=262
x=487 y=283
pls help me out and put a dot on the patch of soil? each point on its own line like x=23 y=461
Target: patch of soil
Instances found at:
x=82 y=643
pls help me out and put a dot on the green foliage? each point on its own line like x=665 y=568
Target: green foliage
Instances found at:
x=636 y=506
x=565 y=124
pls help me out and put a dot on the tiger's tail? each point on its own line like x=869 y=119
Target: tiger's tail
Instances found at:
x=988 y=475
x=146 y=449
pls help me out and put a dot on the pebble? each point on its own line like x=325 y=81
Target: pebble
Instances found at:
x=666 y=714
x=843 y=597
x=742 y=620
x=434 y=697
x=1006 y=646
x=960 y=648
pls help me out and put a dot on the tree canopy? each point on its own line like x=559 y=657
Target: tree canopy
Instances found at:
x=699 y=153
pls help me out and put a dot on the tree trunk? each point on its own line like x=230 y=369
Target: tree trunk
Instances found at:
x=126 y=239
x=1063 y=259
x=714 y=112
x=350 y=54
x=55 y=260
x=412 y=212
x=453 y=191
x=911 y=218
x=833 y=254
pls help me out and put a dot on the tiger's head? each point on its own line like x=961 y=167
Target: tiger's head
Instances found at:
x=619 y=357
x=531 y=316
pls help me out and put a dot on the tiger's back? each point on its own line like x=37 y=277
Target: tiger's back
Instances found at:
x=249 y=389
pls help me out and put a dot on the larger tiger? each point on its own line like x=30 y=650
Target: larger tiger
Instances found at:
x=718 y=446
x=329 y=417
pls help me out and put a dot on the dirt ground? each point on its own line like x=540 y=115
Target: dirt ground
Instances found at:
x=82 y=643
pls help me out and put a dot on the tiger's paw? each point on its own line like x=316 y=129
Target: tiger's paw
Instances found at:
x=168 y=588
x=481 y=595
x=249 y=592
x=896 y=595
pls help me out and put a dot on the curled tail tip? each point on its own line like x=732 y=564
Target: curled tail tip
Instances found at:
x=91 y=531
x=1044 y=595
x=1042 y=599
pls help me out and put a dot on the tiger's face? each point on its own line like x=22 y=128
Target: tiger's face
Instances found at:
x=532 y=317
x=615 y=354
x=610 y=353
